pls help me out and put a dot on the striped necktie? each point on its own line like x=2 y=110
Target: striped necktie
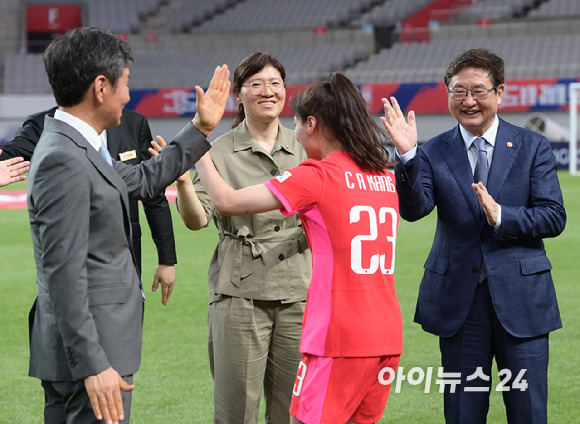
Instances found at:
x=480 y=173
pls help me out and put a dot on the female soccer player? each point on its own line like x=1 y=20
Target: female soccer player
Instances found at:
x=348 y=204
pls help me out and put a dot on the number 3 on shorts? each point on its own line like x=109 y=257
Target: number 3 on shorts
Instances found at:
x=299 y=379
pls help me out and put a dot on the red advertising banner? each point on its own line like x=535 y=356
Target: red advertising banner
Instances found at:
x=531 y=95
x=53 y=18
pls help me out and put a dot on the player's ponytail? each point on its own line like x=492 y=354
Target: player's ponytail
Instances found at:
x=342 y=114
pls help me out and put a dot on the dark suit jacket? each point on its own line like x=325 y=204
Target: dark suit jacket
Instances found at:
x=89 y=305
x=524 y=181
x=128 y=142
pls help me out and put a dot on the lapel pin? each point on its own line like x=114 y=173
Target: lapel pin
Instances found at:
x=509 y=144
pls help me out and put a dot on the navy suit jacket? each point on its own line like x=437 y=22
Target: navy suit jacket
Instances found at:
x=523 y=180
x=129 y=143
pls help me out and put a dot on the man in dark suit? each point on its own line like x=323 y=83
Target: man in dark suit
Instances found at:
x=128 y=142
x=487 y=289
x=86 y=327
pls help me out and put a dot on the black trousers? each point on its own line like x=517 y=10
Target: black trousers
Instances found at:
x=67 y=402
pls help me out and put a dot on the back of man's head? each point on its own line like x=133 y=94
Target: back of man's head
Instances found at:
x=73 y=61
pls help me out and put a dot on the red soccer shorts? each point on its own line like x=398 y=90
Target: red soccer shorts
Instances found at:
x=336 y=390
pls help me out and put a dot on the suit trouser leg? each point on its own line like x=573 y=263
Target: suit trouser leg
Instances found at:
x=523 y=360
x=480 y=339
x=462 y=354
x=68 y=403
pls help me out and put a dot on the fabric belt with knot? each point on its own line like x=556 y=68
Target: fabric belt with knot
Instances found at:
x=242 y=264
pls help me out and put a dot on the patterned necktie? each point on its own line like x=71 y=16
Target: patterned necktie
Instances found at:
x=480 y=173
x=105 y=154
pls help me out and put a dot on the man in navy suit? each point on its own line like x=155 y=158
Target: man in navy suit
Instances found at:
x=487 y=290
x=129 y=143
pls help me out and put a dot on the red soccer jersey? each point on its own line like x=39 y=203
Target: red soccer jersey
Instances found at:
x=350 y=218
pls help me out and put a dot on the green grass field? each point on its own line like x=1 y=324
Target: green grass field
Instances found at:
x=174 y=384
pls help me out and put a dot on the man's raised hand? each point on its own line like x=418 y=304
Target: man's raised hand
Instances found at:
x=210 y=105
x=402 y=133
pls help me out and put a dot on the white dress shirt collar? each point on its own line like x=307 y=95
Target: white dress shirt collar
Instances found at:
x=88 y=132
x=490 y=135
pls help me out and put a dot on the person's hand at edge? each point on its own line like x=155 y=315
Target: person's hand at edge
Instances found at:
x=104 y=391
x=12 y=170
x=156 y=149
x=164 y=275
x=191 y=212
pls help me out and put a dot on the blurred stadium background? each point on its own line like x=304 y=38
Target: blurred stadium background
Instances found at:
x=387 y=47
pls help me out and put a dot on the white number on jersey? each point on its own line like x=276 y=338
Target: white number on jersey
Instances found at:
x=386 y=216
x=299 y=379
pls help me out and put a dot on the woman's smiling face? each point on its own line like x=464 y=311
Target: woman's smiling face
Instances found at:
x=265 y=105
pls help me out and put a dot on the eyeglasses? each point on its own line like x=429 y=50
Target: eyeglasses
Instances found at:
x=256 y=87
x=460 y=94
